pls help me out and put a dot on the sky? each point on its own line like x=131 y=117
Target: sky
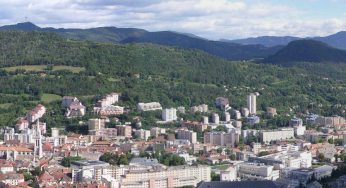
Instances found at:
x=212 y=19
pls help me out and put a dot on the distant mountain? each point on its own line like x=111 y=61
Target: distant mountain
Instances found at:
x=223 y=49
x=226 y=50
x=268 y=41
x=307 y=51
x=337 y=40
x=25 y=26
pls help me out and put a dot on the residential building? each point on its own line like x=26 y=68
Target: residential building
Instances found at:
x=108 y=110
x=245 y=112
x=284 y=159
x=200 y=126
x=156 y=131
x=96 y=124
x=251 y=103
x=124 y=130
x=216 y=118
x=271 y=112
x=186 y=134
x=221 y=138
x=14 y=153
x=200 y=108
x=108 y=100
x=257 y=171
x=68 y=100
x=36 y=113
x=89 y=170
x=75 y=109
x=21 y=124
x=142 y=134
x=11 y=179
x=169 y=114
x=329 y=121
x=181 y=109
x=296 y=122
x=299 y=130
x=152 y=106
x=238 y=184
x=274 y=135
x=178 y=176
x=229 y=174
x=222 y=103
x=252 y=120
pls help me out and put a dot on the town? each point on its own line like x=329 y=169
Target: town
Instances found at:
x=224 y=146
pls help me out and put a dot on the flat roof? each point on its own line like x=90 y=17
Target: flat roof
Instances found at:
x=88 y=163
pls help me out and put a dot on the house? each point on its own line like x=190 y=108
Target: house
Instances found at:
x=76 y=109
x=36 y=113
x=68 y=100
x=11 y=179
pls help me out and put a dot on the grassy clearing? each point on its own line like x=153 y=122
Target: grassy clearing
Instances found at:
x=44 y=67
x=5 y=105
x=47 y=98
x=220 y=167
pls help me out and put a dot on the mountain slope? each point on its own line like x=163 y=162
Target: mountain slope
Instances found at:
x=226 y=50
x=307 y=51
x=221 y=49
x=268 y=41
x=337 y=40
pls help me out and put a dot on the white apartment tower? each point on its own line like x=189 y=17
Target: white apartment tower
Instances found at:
x=169 y=114
x=251 y=103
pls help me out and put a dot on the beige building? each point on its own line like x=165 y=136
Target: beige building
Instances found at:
x=165 y=177
x=149 y=106
x=221 y=138
x=186 y=134
x=124 y=130
x=274 y=135
x=199 y=108
x=257 y=171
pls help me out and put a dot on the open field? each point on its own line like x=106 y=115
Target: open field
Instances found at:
x=44 y=67
x=5 y=105
x=47 y=98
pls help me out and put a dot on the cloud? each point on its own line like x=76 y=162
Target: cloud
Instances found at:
x=211 y=19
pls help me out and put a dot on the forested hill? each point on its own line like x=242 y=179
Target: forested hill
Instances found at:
x=307 y=51
x=231 y=51
x=149 y=72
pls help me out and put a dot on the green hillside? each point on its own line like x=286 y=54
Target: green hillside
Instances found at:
x=307 y=51
x=169 y=75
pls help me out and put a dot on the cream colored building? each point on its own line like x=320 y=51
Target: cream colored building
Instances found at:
x=162 y=177
x=257 y=171
x=274 y=135
x=149 y=106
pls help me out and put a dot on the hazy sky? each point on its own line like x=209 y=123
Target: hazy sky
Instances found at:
x=213 y=19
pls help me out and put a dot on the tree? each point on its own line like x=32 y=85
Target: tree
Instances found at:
x=66 y=161
x=263 y=153
x=115 y=159
x=215 y=177
x=321 y=157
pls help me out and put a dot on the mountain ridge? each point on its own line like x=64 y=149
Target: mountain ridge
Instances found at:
x=230 y=51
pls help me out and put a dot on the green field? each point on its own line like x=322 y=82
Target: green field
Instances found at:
x=44 y=67
x=47 y=98
x=220 y=167
x=5 y=105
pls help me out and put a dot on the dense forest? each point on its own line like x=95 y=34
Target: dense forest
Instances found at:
x=148 y=72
